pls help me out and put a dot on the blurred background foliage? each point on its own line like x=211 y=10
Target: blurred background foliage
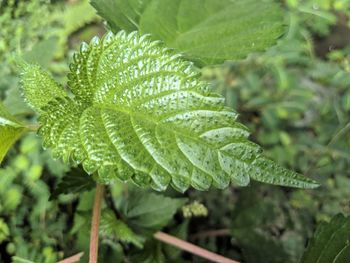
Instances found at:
x=295 y=98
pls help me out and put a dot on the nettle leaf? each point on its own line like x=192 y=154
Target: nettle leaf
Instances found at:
x=138 y=111
x=121 y=14
x=10 y=131
x=330 y=243
x=153 y=213
x=206 y=31
x=112 y=227
x=75 y=181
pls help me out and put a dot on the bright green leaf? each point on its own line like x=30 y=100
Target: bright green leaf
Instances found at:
x=206 y=31
x=10 y=131
x=38 y=86
x=330 y=243
x=140 y=112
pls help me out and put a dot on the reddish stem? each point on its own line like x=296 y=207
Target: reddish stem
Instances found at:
x=174 y=241
x=96 y=215
x=72 y=259
x=212 y=233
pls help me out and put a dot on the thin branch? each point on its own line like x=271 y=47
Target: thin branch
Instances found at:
x=181 y=244
x=72 y=259
x=96 y=214
x=33 y=127
x=212 y=233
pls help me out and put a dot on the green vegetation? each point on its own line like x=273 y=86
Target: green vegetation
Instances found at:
x=283 y=67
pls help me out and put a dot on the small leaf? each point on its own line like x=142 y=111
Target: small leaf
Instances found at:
x=140 y=112
x=112 y=227
x=75 y=181
x=153 y=213
x=10 y=131
x=152 y=253
x=38 y=86
x=330 y=243
x=206 y=31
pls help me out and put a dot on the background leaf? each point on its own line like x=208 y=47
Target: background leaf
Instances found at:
x=330 y=243
x=75 y=181
x=206 y=31
x=153 y=213
x=111 y=227
x=10 y=131
x=121 y=14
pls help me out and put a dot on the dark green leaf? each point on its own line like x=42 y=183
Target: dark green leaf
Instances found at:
x=75 y=181
x=111 y=227
x=150 y=211
x=330 y=243
x=152 y=253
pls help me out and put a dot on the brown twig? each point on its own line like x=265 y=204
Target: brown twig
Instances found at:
x=181 y=244
x=72 y=259
x=212 y=233
x=96 y=214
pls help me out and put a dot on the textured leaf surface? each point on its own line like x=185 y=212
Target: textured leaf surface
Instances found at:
x=207 y=31
x=38 y=86
x=10 y=131
x=331 y=242
x=140 y=112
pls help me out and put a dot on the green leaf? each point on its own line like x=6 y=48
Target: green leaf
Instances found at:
x=10 y=131
x=152 y=253
x=38 y=86
x=75 y=181
x=258 y=247
x=112 y=227
x=42 y=53
x=206 y=31
x=121 y=14
x=330 y=243
x=140 y=112
x=153 y=213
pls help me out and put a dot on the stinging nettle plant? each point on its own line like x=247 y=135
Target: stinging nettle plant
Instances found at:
x=135 y=110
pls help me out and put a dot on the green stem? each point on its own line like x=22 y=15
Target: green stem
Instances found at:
x=96 y=215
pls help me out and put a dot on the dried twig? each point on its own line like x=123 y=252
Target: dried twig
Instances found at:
x=181 y=244
x=72 y=259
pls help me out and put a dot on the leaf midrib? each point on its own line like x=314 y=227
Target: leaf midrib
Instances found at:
x=167 y=127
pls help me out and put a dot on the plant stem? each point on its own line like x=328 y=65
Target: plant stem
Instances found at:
x=96 y=214
x=212 y=233
x=72 y=259
x=33 y=127
x=176 y=242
